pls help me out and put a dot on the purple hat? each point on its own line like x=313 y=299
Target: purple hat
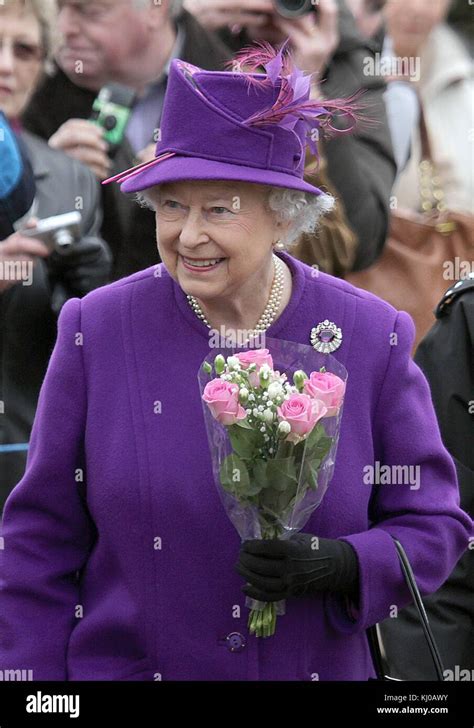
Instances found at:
x=234 y=125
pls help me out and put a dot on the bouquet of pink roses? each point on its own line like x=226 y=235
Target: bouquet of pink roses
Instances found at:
x=273 y=437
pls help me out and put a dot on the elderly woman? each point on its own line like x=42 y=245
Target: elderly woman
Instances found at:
x=118 y=556
x=30 y=310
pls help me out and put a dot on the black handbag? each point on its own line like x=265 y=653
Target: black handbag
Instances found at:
x=373 y=637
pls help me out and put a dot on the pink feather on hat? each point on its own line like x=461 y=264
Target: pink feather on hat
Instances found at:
x=293 y=103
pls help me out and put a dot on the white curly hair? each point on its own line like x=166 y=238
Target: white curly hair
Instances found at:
x=303 y=209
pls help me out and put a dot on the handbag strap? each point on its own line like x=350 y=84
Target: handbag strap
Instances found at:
x=425 y=142
x=372 y=634
x=430 y=188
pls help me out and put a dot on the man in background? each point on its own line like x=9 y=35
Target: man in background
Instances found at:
x=130 y=42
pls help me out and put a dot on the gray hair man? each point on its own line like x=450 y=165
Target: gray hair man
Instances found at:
x=131 y=42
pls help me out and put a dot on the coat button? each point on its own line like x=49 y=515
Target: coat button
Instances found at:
x=235 y=642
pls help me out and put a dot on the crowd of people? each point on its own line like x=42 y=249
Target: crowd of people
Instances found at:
x=406 y=75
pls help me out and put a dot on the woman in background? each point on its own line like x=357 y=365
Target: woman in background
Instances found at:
x=29 y=311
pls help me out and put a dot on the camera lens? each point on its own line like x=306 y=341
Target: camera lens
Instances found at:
x=294 y=8
x=63 y=239
x=110 y=122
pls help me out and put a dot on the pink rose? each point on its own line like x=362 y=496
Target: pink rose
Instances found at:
x=258 y=357
x=301 y=412
x=222 y=398
x=328 y=388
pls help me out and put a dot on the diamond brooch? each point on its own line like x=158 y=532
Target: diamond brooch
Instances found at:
x=326 y=337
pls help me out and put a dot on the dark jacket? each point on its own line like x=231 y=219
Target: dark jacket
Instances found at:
x=28 y=313
x=361 y=166
x=128 y=229
x=446 y=356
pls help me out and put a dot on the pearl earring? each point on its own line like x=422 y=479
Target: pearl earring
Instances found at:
x=279 y=245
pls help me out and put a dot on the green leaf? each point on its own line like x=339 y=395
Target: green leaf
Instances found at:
x=310 y=472
x=316 y=433
x=285 y=449
x=243 y=441
x=244 y=424
x=259 y=473
x=234 y=476
x=318 y=443
x=275 y=503
x=299 y=450
x=281 y=473
x=322 y=448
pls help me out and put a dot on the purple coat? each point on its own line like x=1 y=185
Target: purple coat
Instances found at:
x=132 y=577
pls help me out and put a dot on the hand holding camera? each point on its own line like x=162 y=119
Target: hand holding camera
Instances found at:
x=83 y=140
x=75 y=264
x=95 y=141
x=310 y=25
x=314 y=37
x=18 y=248
x=58 y=233
x=53 y=238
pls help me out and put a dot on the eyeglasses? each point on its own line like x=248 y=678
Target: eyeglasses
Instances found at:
x=22 y=51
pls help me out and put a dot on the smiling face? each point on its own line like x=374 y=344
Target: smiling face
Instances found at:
x=21 y=56
x=215 y=238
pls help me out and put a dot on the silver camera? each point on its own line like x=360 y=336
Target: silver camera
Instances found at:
x=58 y=233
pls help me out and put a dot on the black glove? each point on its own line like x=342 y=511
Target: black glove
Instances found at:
x=301 y=566
x=81 y=268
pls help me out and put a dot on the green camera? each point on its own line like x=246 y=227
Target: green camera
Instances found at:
x=111 y=110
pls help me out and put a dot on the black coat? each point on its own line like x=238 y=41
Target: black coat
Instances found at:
x=128 y=229
x=28 y=313
x=446 y=355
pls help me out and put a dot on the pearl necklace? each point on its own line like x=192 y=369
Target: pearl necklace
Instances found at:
x=271 y=309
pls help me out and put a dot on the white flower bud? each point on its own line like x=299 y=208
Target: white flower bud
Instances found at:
x=299 y=378
x=284 y=428
x=268 y=416
x=233 y=362
x=264 y=376
x=243 y=395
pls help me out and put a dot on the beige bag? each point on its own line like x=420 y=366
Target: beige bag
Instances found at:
x=424 y=252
